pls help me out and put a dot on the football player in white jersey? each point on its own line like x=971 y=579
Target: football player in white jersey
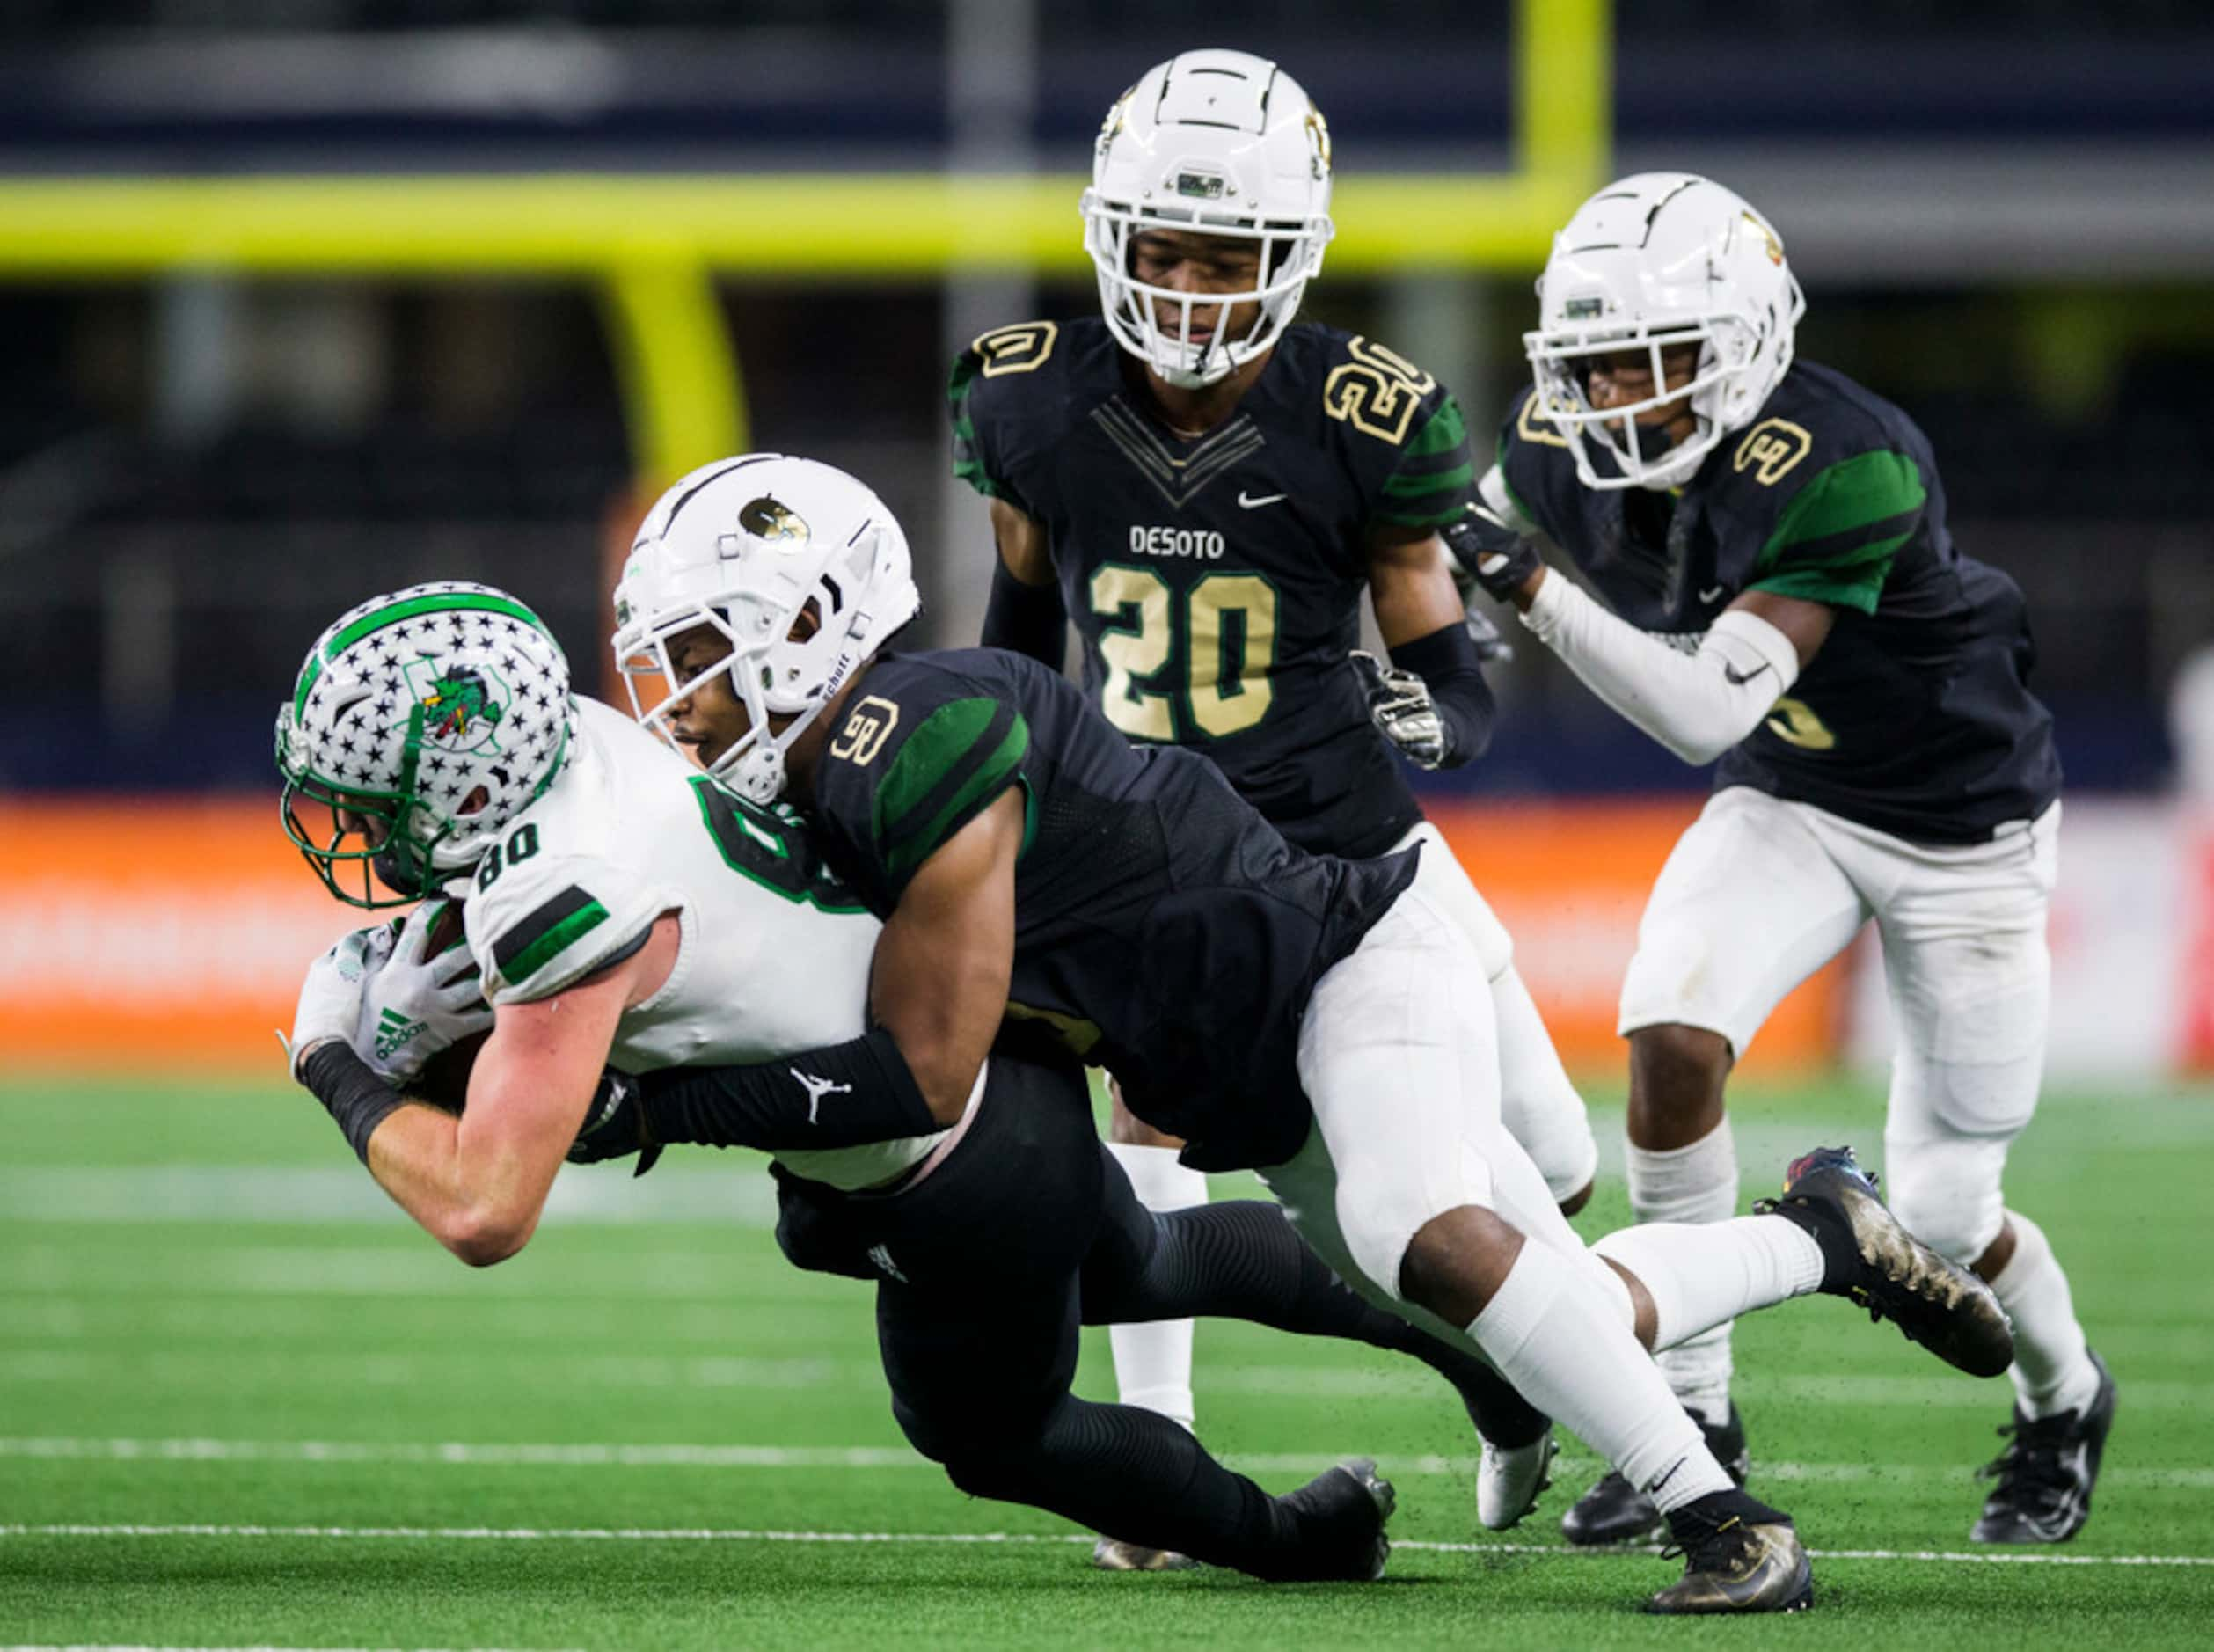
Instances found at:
x=624 y=908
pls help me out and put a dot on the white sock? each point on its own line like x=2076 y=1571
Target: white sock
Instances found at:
x=2052 y=1372
x=1704 y=1276
x=1153 y=1362
x=1550 y=1330
x=1697 y=1183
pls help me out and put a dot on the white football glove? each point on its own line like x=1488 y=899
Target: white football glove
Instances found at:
x=1399 y=704
x=413 y=1005
x=330 y=997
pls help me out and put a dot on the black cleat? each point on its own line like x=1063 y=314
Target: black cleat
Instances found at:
x=1615 y=1511
x=1739 y=1555
x=2046 y=1473
x=1869 y=1259
x=1343 y=1512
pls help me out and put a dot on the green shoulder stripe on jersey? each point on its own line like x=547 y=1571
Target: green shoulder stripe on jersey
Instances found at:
x=1835 y=541
x=1417 y=514
x=965 y=752
x=1431 y=484
x=969 y=464
x=967 y=365
x=1441 y=432
x=1418 y=486
x=543 y=935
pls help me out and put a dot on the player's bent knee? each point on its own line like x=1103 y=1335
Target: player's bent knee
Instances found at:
x=1947 y=1193
x=1457 y=1262
x=1677 y=1068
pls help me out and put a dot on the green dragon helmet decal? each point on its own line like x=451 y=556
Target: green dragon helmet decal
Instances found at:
x=420 y=724
x=460 y=702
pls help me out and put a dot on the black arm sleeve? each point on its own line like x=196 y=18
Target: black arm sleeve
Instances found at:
x=1446 y=661
x=1026 y=618
x=840 y=1095
x=350 y=1092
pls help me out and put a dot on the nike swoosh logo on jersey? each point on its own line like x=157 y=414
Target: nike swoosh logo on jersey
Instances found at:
x=1246 y=501
x=1710 y=594
x=1739 y=679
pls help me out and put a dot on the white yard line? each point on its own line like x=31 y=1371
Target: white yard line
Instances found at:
x=735 y=1194
x=725 y=1534
x=471 y=1454
x=1404 y=1381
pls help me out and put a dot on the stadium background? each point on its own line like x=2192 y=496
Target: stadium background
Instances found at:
x=305 y=299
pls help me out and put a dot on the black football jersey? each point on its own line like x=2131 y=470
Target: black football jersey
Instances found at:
x=1163 y=929
x=1915 y=716
x=1216 y=581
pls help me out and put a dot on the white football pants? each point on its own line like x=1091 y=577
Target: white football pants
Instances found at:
x=1537 y=1105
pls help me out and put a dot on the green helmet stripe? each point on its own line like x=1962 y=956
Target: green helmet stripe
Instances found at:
x=377 y=619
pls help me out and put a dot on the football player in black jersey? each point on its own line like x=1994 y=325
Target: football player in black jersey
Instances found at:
x=1780 y=593
x=1207 y=487
x=1322 y=1021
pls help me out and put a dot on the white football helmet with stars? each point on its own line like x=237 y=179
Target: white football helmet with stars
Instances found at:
x=1218 y=144
x=420 y=724
x=1661 y=259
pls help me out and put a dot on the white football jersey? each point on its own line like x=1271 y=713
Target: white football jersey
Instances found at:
x=775 y=952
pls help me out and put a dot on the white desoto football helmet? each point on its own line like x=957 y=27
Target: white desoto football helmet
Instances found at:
x=1655 y=260
x=420 y=724
x=1221 y=143
x=748 y=546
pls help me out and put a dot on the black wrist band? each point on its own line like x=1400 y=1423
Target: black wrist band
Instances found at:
x=350 y=1091
x=1026 y=618
x=1447 y=662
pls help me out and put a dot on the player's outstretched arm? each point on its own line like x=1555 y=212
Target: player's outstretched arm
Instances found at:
x=1697 y=704
x=939 y=981
x=937 y=991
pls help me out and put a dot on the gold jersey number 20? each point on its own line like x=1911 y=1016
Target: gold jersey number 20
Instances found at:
x=1224 y=692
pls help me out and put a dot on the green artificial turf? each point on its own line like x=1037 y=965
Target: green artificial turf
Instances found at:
x=243 y=1402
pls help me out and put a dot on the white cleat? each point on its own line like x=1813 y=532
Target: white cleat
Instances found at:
x=1509 y=1478
x=1112 y=1554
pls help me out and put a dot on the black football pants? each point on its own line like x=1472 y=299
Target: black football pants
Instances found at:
x=985 y=1271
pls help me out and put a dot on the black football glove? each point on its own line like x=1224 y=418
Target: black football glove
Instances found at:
x=1399 y=704
x=1490 y=553
x=615 y=1125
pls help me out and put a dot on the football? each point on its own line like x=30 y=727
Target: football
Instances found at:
x=444 y=1079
